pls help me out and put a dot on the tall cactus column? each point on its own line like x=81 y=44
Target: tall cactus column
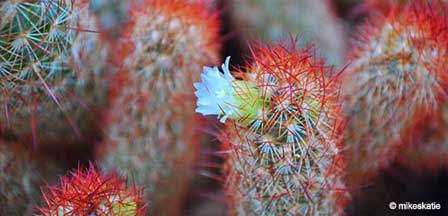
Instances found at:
x=50 y=60
x=282 y=133
x=151 y=133
x=396 y=79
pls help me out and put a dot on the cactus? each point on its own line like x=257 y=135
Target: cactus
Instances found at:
x=282 y=132
x=87 y=192
x=396 y=78
x=50 y=61
x=271 y=20
x=151 y=131
x=19 y=183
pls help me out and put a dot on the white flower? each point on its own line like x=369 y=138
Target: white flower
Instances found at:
x=216 y=95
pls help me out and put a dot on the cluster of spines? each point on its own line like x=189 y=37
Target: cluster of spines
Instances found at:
x=154 y=140
x=283 y=148
x=43 y=68
x=87 y=192
x=34 y=48
x=33 y=37
x=396 y=78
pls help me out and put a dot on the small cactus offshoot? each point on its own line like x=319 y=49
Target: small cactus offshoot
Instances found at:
x=87 y=192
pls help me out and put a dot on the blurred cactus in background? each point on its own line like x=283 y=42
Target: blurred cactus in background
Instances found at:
x=111 y=16
x=430 y=150
x=19 y=182
x=87 y=192
x=397 y=77
x=282 y=134
x=151 y=134
x=273 y=20
x=50 y=61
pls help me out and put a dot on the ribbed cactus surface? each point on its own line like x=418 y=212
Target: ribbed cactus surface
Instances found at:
x=282 y=135
x=151 y=133
x=396 y=78
x=49 y=59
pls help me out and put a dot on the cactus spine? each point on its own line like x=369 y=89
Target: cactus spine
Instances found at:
x=49 y=60
x=150 y=134
x=282 y=133
x=397 y=77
